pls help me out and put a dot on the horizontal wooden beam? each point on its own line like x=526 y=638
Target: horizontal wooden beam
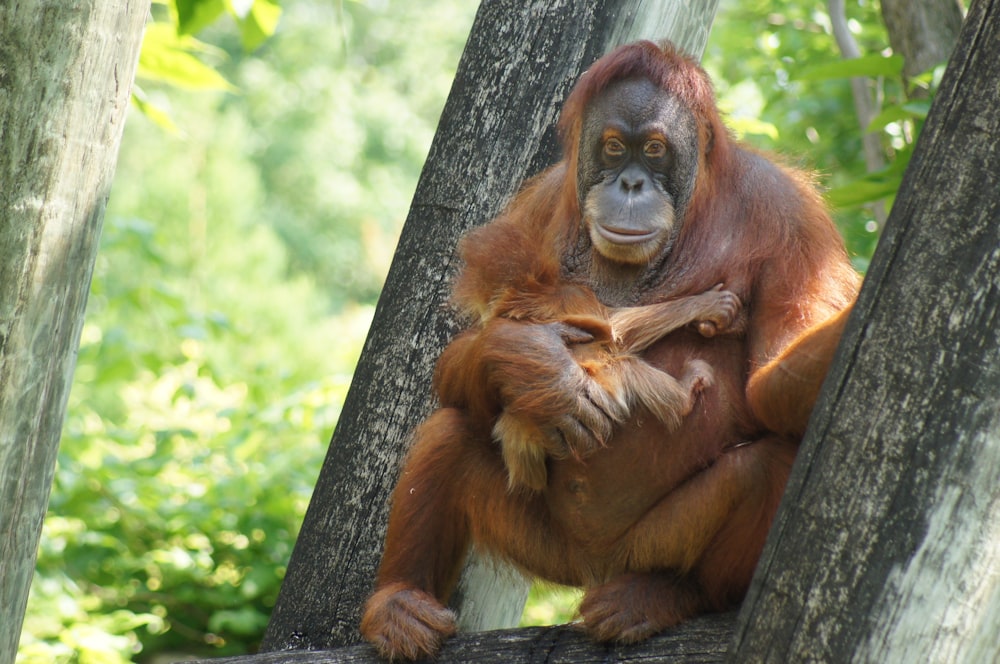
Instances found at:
x=700 y=641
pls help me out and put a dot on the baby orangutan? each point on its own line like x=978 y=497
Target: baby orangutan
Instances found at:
x=606 y=344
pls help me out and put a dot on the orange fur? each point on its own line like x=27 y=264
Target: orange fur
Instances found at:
x=606 y=349
x=658 y=518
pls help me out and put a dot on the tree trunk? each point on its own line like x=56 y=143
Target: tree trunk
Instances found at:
x=65 y=76
x=922 y=31
x=886 y=545
x=496 y=129
x=866 y=105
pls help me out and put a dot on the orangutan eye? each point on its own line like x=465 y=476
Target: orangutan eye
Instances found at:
x=614 y=149
x=654 y=149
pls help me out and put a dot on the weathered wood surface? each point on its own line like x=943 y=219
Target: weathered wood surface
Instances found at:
x=887 y=545
x=922 y=31
x=496 y=129
x=700 y=641
x=66 y=70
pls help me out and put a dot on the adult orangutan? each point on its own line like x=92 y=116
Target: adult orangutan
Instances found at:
x=653 y=201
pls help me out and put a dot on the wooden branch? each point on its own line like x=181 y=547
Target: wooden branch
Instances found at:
x=700 y=641
x=885 y=548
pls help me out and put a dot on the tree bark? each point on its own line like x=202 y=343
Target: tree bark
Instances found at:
x=66 y=72
x=885 y=548
x=699 y=641
x=924 y=32
x=496 y=129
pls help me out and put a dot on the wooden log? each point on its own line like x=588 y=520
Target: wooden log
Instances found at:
x=700 y=641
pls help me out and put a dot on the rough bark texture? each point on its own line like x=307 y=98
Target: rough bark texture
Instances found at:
x=66 y=69
x=496 y=129
x=700 y=641
x=885 y=549
x=922 y=31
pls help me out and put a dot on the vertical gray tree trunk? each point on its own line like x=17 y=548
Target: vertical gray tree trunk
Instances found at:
x=887 y=544
x=66 y=69
x=496 y=129
x=922 y=31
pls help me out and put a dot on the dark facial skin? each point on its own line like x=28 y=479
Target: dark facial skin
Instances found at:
x=638 y=161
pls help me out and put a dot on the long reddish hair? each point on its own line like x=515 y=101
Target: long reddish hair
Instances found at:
x=668 y=69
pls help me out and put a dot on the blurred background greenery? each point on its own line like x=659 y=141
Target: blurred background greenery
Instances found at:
x=252 y=221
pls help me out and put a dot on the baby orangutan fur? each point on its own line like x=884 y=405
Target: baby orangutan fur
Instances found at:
x=606 y=344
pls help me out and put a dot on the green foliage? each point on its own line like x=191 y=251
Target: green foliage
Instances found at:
x=257 y=19
x=345 y=103
x=875 y=64
x=172 y=56
x=773 y=61
x=206 y=386
x=550 y=605
x=778 y=63
x=209 y=378
x=902 y=122
x=65 y=623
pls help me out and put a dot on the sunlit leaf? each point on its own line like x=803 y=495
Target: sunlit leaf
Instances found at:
x=170 y=58
x=929 y=79
x=240 y=8
x=743 y=126
x=194 y=15
x=865 y=66
x=258 y=19
x=159 y=116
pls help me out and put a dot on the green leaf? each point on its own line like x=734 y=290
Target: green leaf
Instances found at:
x=864 y=190
x=169 y=58
x=257 y=20
x=898 y=112
x=194 y=15
x=930 y=79
x=240 y=621
x=888 y=115
x=919 y=108
x=156 y=114
x=867 y=66
x=744 y=125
